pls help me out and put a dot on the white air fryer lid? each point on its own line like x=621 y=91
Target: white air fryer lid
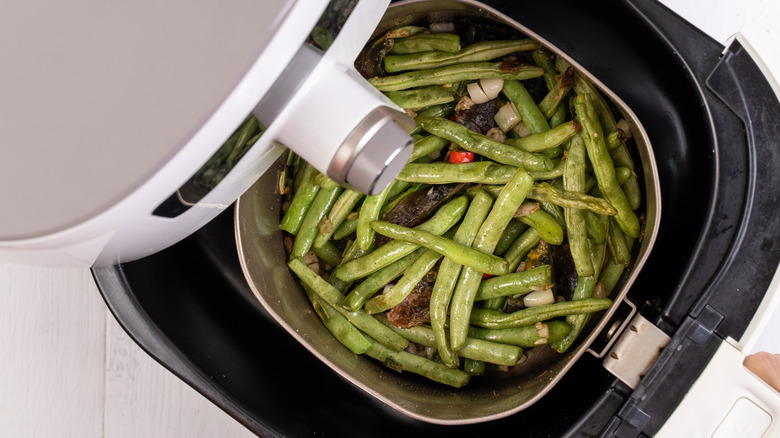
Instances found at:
x=94 y=102
x=109 y=110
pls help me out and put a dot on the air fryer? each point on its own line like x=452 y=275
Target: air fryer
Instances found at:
x=706 y=111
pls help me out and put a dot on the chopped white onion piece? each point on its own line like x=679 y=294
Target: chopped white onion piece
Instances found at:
x=476 y=93
x=464 y=103
x=542 y=329
x=600 y=291
x=521 y=130
x=506 y=117
x=623 y=125
x=496 y=134
x=492 y=86
x=310 y=258
x=538 y=298
x=442 y=27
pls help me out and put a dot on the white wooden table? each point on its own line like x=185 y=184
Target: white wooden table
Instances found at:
x=68 y=370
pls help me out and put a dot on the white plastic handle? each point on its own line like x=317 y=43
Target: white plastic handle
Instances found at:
x=726 y=401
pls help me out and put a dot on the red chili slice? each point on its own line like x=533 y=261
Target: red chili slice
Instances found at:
x=458 y=157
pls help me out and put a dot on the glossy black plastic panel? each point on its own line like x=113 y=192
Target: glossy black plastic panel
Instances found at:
x=190 y=308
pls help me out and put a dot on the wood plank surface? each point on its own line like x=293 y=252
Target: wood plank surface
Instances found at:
x=67 y=369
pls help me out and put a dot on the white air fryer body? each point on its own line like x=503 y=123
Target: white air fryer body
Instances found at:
x=110 y=108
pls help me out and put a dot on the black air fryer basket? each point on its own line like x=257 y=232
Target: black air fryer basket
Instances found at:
x=709 y=114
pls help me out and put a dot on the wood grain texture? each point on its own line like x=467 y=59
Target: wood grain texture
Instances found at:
x=67 y=369
x=53 y=346
x=175 y=409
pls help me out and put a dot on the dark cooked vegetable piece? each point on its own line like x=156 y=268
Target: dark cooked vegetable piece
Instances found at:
x=502 y=232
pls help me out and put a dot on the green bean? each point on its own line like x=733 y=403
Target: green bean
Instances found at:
x=507 y=202
x=421 y=97
x=338 y=213
x=322 y=37
x=445 y=110
x=583 y=85
x=547 y=227
x=474 y=367
x=603 y=166
x=632 y=192
x=426 y=146
x=496 y=303
x=447 y=216
x=462 y=254
x=325 y=182
x=403 y=361
x=517 y=283
x=530 y=113
x=461 y=305
x=544 y=59
x=546 y=139
x=424 y=42
x=347 y=227
x=328 y=253
x=244 y=135
x=576 y=227
x=613 y=270
x=622 y=158
x=550 y=103
x=598 y=253
x=525 y=337
x=482 y=145
x=455 y=73
x=304 y=240
x=615 y=139
x=304 y=196
x=616 y=242
x=396 y=294
x=520 y=248
x=555 y=152
x=369 y=212
x=584 y=289
x=622 y=174
x=475 y=349
x=403 y=32
x=477 y=52
x=571 y=199
x=596 y=226
x=360 y=319
x=555 y=172
x=390 y=204
x=499 y=320
x=338 y=325
x=379 y=279
x=559 y=116
x=511 y=233
x=351 y=252
x=449 y=272
x=573 y=163
x=555 y=211
x=482 y=172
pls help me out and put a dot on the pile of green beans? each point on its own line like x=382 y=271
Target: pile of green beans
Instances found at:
x=567 y=179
